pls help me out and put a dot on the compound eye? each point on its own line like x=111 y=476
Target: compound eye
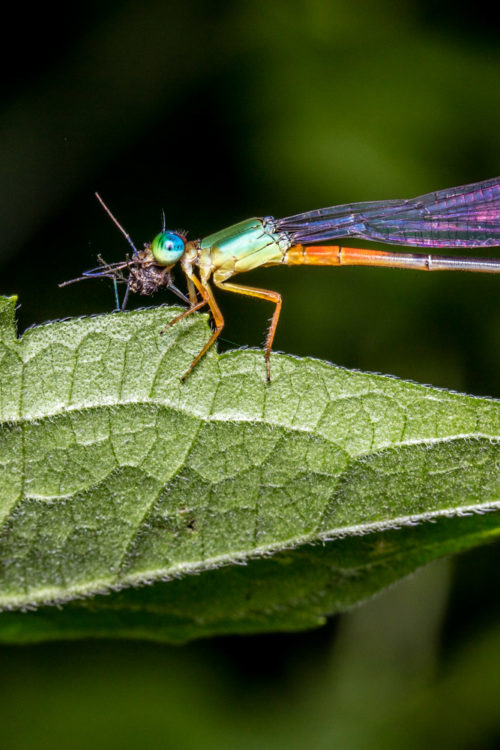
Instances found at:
x=167 y=248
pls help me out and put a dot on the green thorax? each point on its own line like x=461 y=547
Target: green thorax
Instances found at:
x=243 y=246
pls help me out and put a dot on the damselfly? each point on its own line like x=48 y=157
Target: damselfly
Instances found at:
x=467 y=216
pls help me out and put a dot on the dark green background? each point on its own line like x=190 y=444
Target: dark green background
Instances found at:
x=216 y=111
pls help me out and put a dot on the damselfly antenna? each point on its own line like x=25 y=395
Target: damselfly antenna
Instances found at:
x=115 y=221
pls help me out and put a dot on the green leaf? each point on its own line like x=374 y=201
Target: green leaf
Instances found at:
x=243 y=506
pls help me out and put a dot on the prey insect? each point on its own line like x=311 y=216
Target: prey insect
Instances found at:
x=460 y=217
x=140 y=273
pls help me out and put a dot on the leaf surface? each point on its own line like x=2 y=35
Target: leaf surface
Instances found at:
x=243 y=506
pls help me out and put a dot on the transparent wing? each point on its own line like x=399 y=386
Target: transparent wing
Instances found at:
x=466 y=216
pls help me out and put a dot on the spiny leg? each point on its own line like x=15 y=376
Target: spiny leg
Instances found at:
x=207 y=299
x=192 y=291
x=266 y=294
x=195 y=305
x=184 y=314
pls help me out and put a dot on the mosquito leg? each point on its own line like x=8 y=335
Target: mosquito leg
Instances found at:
x=125 y=296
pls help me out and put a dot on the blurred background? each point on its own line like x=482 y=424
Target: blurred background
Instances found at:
x=215 y=111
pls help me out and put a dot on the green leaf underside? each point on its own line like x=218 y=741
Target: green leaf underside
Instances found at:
x=115 y=474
